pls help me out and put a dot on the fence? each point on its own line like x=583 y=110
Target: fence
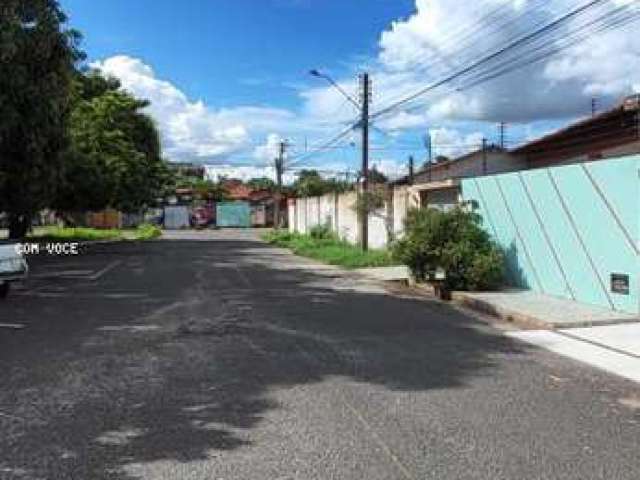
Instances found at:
x=569 y=231
x=338 y=212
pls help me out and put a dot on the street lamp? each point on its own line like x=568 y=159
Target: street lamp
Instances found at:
x=316 y=73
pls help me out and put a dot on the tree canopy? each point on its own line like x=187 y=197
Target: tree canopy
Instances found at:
x=114 y=158
x=311 y=184
x=38 y=56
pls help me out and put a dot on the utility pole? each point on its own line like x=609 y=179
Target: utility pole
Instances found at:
x=279 y=170
x=365 y=100
x=503 y=127
x=484 y=156
x=429 y=146
x=594 y=106
x=411 y=169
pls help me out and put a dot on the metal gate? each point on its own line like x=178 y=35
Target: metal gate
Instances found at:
x=233 y=214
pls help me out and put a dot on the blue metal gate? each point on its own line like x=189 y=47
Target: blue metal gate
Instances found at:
x=233 y=214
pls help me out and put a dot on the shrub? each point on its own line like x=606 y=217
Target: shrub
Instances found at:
x=147 y=231
x=321 y=232
x=454 y=241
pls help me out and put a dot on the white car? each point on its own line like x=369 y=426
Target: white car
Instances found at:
x=13 y=267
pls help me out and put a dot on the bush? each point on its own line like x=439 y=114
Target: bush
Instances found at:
x=455 y=242
x=321 y=232
x=147 y=231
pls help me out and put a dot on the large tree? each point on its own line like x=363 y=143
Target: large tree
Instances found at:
x=114 y=157
x=311 y=184
x=37 y=64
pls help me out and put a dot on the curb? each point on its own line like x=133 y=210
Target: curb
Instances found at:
x=510 y=316
x=528 y=321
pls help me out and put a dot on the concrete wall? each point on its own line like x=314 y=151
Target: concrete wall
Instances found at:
x=404 y=199
x=337 y=212
x=568 y=229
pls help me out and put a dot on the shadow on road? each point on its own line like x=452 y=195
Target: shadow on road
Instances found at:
x=99 y=385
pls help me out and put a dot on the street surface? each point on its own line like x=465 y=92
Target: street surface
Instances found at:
x=210 y=355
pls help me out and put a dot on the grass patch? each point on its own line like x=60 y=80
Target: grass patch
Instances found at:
x=147 y=232
x=331 y=250
x=82 y=234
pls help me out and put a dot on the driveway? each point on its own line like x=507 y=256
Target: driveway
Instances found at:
x=214 y=356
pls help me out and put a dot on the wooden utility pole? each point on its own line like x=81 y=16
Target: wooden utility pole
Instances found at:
x=503 y=128
x=484 y=156
x=428 y=144
x=365 y=100
x=411 y=169
x=279 y=161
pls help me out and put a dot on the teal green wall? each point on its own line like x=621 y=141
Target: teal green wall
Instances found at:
x=567 y=229
x=233 y=214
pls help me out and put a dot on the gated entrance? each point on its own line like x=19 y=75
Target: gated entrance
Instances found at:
x=233 y=214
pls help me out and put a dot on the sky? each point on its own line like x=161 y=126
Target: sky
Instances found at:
x=229 y=79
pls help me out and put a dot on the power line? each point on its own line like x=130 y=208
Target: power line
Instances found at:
x=620 y=18
x=512 y=45
x=323 y=145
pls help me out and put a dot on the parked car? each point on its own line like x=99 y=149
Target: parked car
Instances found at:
x=13 y=267
x=201 y=218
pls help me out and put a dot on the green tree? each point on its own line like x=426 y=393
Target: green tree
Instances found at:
x=262 y=183
x=311 y=184
x=203 y=189
x=376 y=176
x=114 y=159
x=37 y=57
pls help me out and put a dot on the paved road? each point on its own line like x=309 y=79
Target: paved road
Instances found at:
x=226 y=359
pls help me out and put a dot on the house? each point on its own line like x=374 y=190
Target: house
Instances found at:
x=613 y=133
x=437 y=185
x=261 y=202
x=237 y=190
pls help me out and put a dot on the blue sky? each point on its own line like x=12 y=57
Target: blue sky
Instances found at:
x=221 y=50
x=229 y=78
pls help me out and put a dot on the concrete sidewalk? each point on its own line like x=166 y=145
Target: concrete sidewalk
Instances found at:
x=596 y=336
x=614 y=349
x=523 y=307
x=528 y=308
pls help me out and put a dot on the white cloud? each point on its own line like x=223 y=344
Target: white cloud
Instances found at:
x=444 y=35
x=245 y=173
x=191 y=131
x=269 y=150
x=452 y=143
x=439 y=37
x=390 y=168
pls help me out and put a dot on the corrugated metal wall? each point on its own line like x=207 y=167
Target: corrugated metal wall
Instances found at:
x=567 y=230
x=176 y=217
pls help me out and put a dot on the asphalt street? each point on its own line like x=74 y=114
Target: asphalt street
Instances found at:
x=215 y=356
